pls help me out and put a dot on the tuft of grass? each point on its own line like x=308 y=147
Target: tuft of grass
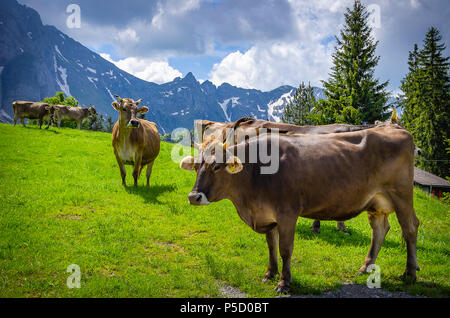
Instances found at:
x=62 y=203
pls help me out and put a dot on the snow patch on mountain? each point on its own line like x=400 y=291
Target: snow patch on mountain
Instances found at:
x=275 y=108
x=60 y=54
x=62 y=72
x=92 y=79
x=109 y=92
x=91 y=70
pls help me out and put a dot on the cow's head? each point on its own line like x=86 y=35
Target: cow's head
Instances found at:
x=92 y=110
x=214 y=173
x=128 y=109
x=51 y=109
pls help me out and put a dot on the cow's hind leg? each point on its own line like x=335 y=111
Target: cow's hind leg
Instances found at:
x=272 y=241
x=315 y=227
x=380 y=226
x=286 y=232
x=409 y=223
x=22 y=120
x=341 y=227
x=149 y=172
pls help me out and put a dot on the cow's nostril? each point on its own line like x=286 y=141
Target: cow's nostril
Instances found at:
x=198 y=198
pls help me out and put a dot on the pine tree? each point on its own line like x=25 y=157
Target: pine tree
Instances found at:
x=426 y=94
x=109 y=124
x=298 y=111
x=352 y=84
x=410 y=98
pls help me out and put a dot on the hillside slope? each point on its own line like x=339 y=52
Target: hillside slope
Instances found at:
x=63 y=203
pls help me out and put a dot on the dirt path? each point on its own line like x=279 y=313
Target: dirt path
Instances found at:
x=346 y=291
x=359 y=291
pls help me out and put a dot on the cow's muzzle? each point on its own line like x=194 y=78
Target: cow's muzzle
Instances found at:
x=198 y=198
x=134 y=123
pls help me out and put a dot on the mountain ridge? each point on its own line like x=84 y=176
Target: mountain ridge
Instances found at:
x=37 y=60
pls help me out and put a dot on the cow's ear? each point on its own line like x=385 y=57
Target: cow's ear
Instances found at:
x=116 y=105
x=187 y=163
x=234 y=165
x=143 y=109
x=138 y=101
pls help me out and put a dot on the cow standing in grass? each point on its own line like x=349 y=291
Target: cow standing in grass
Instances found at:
x=33 y=110
x=322 y=177
x=77 y=114
x=136 y=141
x=208 y=130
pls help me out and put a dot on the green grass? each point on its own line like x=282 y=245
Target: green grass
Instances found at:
x=62 y=203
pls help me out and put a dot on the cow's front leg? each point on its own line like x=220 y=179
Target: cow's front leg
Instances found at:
x=286 y=236
x=79 y=124
x=123 y=171
x=272 y=242
x=136 y=170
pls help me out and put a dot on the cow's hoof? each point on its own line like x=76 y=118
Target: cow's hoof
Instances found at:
x=315 y=230
x=408 y=278
x=362 y=270
x=282 y=289
x=268 y=276
x=344 y=231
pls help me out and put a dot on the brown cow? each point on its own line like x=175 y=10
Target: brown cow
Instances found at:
x=326 y=177
x=136 y=141
x=77 y=114
x=33 y=110
x=206 y=131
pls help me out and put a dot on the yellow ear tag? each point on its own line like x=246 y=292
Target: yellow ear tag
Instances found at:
x=231 y=169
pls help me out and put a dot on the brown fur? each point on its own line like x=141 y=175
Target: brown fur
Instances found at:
x=33 y=110
x=77 y=114
x=134 y=146
x=328 y=177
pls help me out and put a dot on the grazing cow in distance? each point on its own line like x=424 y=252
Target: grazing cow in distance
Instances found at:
x=77 y=114
x=322 y=177
x=136 y=141
x=33 y=110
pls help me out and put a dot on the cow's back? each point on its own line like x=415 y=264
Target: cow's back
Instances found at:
x=336 y=174
x=31 y=110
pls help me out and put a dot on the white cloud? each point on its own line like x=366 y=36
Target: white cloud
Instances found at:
x=266 y=67
x=128 y=35
x=157 y=71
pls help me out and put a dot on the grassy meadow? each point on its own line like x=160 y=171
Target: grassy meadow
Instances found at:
x=62 y=203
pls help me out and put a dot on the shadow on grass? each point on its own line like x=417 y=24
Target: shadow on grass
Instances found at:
x=150 y=194
x=42 y=129
x=330 y=234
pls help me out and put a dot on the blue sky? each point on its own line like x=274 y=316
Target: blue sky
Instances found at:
x=248 y=43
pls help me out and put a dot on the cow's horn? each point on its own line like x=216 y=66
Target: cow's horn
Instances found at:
x=118 y=98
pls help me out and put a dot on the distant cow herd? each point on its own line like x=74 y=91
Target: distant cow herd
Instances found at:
x=328 y=172
x=50 y=113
